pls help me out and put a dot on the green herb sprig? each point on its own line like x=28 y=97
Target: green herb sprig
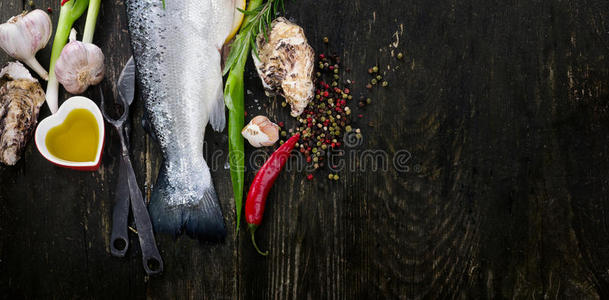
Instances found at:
x=258 y=18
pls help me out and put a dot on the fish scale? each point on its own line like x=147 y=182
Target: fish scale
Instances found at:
x=177 y=55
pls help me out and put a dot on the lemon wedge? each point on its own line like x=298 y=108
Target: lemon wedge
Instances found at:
x=237 y=20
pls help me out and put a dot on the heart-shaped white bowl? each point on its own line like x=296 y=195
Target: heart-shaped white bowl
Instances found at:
x=57 y=119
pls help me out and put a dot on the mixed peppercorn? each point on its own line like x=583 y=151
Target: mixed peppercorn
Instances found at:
x=330 y=115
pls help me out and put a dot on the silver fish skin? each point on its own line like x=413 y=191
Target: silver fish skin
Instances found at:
x=177 y=55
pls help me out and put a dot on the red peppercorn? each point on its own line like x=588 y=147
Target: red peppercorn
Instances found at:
x=280 y=124
x=50 y=10
x=347 y=91
x=326 y=94
x=245 y=113
x=322 y=56
x=331 y=68
x=310 y=177
x=360 y=115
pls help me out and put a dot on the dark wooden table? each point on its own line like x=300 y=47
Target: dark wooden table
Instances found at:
x=502 y=106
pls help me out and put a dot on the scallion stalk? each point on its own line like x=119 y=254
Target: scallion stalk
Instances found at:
x=234 y=95
x=91 y=21
x=69 y=13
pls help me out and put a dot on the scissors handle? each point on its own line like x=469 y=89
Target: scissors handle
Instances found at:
x=119 y=240
x=153 y=264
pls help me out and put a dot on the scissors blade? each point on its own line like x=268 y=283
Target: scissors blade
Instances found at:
x=126 y=82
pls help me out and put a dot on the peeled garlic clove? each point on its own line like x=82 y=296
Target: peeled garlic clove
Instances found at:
x=79 y=66
x=23 y=35
x=285 y=63
x=261 y=132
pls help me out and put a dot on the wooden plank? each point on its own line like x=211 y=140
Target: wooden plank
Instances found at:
x=501 y=107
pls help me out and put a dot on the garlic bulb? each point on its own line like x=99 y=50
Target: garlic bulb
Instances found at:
x=261 y=132
x=79 y=66
x=23 y=35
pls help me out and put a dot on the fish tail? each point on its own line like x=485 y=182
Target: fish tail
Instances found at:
x=200 y=218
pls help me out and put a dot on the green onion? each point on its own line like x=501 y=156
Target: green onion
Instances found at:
x=69 y=13
x=257 y=19
x=91 y=21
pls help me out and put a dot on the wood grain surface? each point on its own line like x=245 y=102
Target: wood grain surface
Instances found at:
x=501 y=107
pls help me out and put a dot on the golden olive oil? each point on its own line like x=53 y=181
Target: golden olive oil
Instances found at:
x=76 y=139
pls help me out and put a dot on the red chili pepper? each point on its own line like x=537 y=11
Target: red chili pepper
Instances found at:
x=259 y=190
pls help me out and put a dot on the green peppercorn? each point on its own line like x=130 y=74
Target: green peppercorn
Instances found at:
x=315 y=159
x=281 y=142
x=375 y=69
x=348 y=128
x=336 y=177
x=330 y=176
x=321 y=66
x=318 y=74
x=350 y=97
x=379 y=77
x=31 y=3
x=317 y=97
x=283 y=133
x=368 y=100
x=400 y=55
x=326 y=40
x=283 y=104
x=314 y=150
x=373 y=81
x=334 y=83
x=385 y=83
x=335 y=71
x=336 y=76
x=324 y=147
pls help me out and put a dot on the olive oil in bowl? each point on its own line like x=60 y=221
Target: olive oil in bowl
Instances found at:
x=76 y=139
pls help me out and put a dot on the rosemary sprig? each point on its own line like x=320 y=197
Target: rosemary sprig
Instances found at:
x=256 y=21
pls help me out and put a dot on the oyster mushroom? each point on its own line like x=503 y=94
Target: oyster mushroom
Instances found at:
x=285 y=64
x=20 y=99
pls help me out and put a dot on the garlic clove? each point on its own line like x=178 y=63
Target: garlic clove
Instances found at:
x=79 y=66
x=260 y=131
x=24 y=35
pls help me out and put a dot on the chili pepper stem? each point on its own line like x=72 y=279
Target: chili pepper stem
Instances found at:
x=253 y=228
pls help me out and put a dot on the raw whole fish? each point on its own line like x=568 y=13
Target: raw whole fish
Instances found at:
x=177 y=55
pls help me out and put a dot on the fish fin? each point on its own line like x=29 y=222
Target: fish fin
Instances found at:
x=201 y=218
x=217 y=119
